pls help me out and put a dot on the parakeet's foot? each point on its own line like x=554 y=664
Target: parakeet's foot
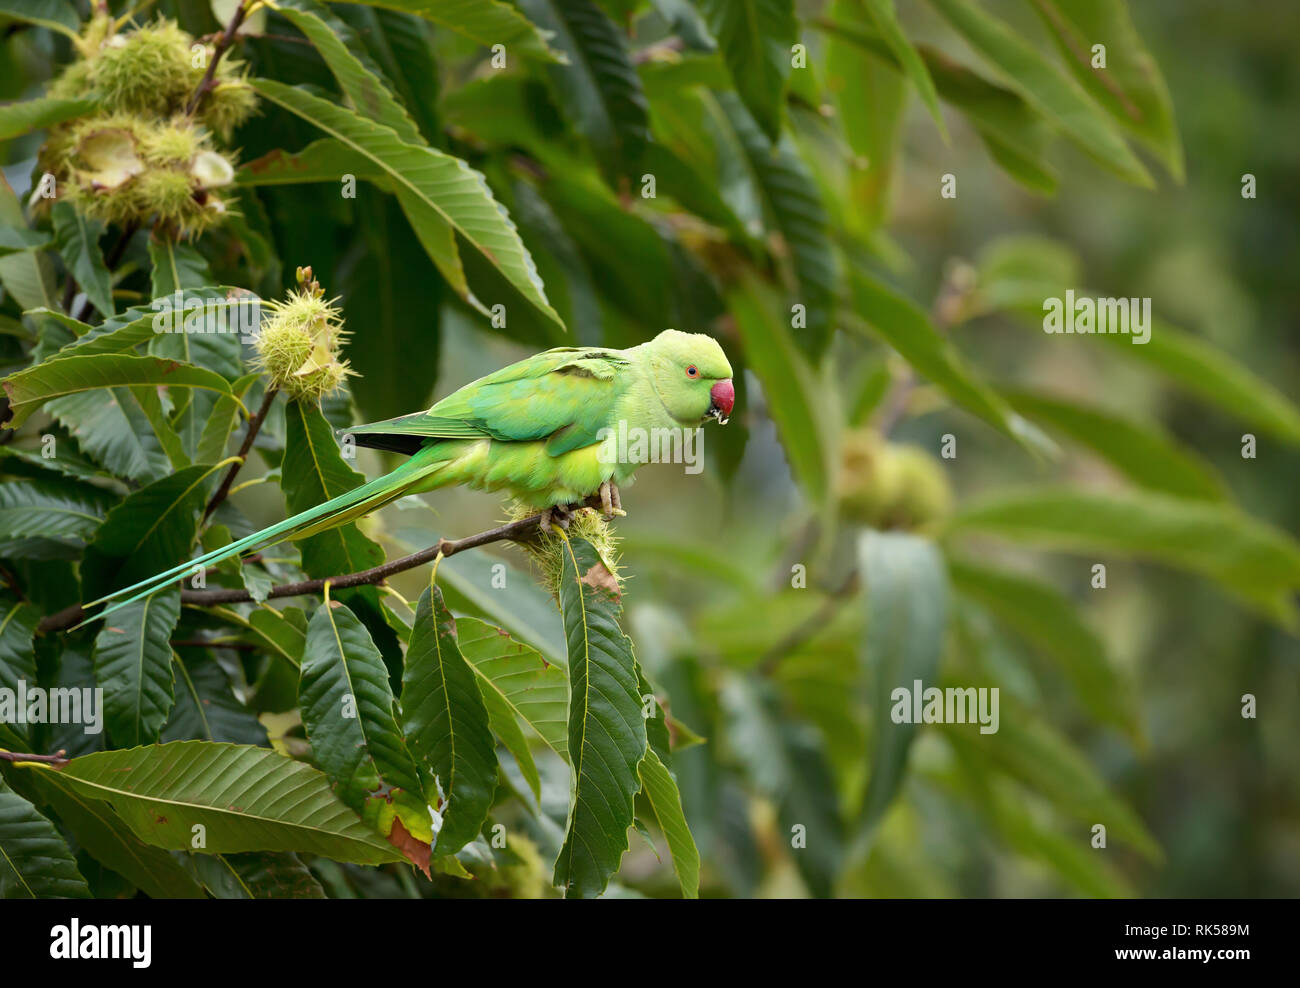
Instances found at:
x=559 y=515
x=610 y=502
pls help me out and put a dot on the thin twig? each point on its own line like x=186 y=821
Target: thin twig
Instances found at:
x=810 y=628
x=947 y=311
x=219 y=48
x=254 y=426
x=515 y=531
x=58 y=758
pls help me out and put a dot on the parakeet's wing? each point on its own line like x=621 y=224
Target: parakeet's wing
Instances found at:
x=564 y=396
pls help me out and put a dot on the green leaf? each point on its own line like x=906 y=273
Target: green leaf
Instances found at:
x=599 y=87
x=607 y=734
x=52 y=329
x=77 y=240
x=69 y=461
x=674 y=177
x=17 y=119
x=1045 y=87
x=1014 y=132
x=206 y=311
x=35 y=863
x=244 y=798
x=18 y=620
x=180 y=266
x=1018 y=271
x=756 y=37
x=517 y=685
x=1250 y=559
x=110 y=427
x=907 y=617
x=905 y=326
x=27 y=275
x=790 y=388
x=1049 y=621
x=870 y=101
x=1035 y=754
x=403 y=53
x=1147 y=455
x=568 y=278
x=48 y=518
x=151 y=405
x=257 y=875
x=322 y=160
x=627 y=256
x=522 y=607
x=133 y=665
x=1216 y=377
x=1129 y=86
x=661 y=789
x=389 y=278
x=29 y=389
x=57 y=15
x=435 y=189
x=341 y=50
x=151 y=530
x=313 y=472
x=1073 y=859
x=221 y=421
x=208 y=336
x=884 y=15
x=488 y=22
x=793 y=208
x=446 y=724
x=102 y=834
x=786 y=762
x=349 y=714
x=685 y=21
x=15 y=239
x=275 y=632
x=206 y=708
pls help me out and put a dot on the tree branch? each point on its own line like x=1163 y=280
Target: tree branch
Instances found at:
x=515 y=531
x=254 y=426
x=226 y=39
x=948 y=310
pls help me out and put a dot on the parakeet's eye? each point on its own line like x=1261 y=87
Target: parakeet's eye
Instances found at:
x=692 y=371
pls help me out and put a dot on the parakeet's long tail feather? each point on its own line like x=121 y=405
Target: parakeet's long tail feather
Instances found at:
x=329 y=514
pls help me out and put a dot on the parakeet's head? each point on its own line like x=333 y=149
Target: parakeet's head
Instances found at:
x=692 y=376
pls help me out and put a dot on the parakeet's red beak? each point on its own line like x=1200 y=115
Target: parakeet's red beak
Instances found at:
x=724 y=399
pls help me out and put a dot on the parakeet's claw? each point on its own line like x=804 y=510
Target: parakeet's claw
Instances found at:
x=610 y=502
x=558 y=515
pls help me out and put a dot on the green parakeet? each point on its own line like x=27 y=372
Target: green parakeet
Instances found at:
x=545 y=430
